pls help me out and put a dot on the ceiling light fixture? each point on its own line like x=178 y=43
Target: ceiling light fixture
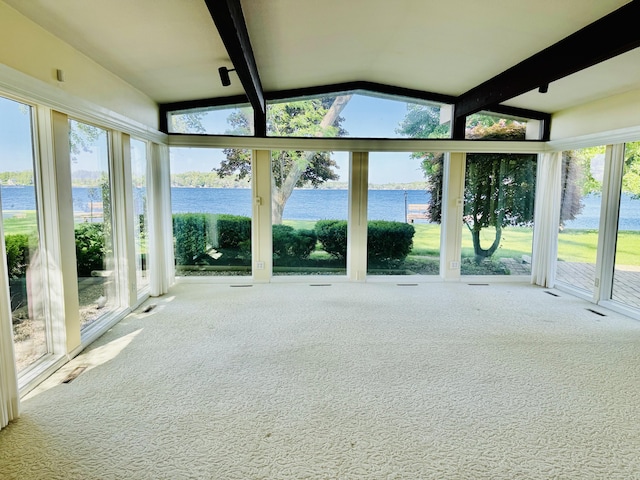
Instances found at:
x=224 y=75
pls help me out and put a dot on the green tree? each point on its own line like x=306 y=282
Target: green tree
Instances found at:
x=499 y=187
x=631 y=179
x=318 y=117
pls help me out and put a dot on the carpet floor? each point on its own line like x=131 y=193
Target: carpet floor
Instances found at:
x=347 y=381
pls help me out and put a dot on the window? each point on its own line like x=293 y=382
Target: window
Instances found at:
x=92 y=194
x=211 y=206
x=358 y=114
x=227 y=120
x=309 y=212
x=499 y=194
x=583 y=172
x=626 y=276
x=21 y=234
x=404 y=193
x=140 y=219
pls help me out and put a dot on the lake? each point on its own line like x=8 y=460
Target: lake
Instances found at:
x=310 y=204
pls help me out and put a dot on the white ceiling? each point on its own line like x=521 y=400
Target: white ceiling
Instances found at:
x=170 y=49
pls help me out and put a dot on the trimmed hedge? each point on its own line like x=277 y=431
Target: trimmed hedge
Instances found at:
x=332 y=234
x=196 y=234
x=387 y=242
x=292 y=244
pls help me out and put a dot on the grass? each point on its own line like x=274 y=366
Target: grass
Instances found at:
x=19 y=222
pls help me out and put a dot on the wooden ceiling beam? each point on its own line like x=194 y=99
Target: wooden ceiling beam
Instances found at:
x=601 y=40
x=229 y=20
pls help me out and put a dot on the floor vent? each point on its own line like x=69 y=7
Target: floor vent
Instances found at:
x=478 y=284
x=551 y=293
x=241 y=286
x=148 y=308
x=74 y=374
x=407 y=284
x=319 y=284
x=596 y=312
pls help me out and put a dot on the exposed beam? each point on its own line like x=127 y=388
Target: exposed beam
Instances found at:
x=601 y=40
x=229 y=20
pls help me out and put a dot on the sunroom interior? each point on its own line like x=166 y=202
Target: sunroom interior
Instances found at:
x=126 y=163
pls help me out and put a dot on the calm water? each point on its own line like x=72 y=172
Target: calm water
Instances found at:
x=311 y=204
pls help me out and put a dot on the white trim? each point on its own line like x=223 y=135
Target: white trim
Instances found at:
x=356 y=144
x=30 y=90
x=622 y=135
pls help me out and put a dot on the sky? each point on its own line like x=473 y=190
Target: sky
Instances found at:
x=364 y=117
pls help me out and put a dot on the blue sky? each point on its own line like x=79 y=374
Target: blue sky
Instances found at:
x=364 y=117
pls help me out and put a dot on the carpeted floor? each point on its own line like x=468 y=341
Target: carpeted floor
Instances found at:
x=349 y=381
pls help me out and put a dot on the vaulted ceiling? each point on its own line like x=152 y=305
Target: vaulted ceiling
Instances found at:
x=171 y=49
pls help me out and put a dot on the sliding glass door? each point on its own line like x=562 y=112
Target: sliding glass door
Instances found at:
x=20 y=220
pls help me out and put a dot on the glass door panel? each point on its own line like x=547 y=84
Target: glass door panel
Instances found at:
x=21 y=234
x=140 y=223
x=92 y=193
x=582 y=174
x=626 y=275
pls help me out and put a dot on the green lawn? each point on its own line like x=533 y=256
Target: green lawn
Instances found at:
x=20 y=222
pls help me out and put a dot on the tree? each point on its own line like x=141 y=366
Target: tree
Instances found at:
x=319 y=117
x=499 y=187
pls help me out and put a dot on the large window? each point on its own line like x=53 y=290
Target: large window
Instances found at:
x=309 y=212
x=228 y=120
x=626 y=277
x=92 y=202
x=582 y=172
x=499 y=196
x=404 y=195
x=358 y=114
x=21 y=233
x=211 y=206
x=140 y=219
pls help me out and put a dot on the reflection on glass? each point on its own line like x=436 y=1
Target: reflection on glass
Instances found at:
x=140 y=223
x=21 y=234
x=582 y=172
x=211 y=206
x=403 y=210
x=91 y=191
x=626 y=276
x=499 y=198
x=309 y=212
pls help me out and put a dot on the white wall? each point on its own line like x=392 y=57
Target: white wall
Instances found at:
x=618 y=115
x=28 y=48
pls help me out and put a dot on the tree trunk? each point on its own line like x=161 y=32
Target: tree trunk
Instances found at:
x=281 y=195
x=481 y=253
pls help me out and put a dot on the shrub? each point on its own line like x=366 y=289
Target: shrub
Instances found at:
x=232 y=231
x=190 y=236
x=289 y=243
x=90 y=248
x=197 y=234
x=388 y=242
x=332 y=235
x=17 y=247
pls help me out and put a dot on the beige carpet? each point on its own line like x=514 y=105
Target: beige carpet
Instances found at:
x=349 y=381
